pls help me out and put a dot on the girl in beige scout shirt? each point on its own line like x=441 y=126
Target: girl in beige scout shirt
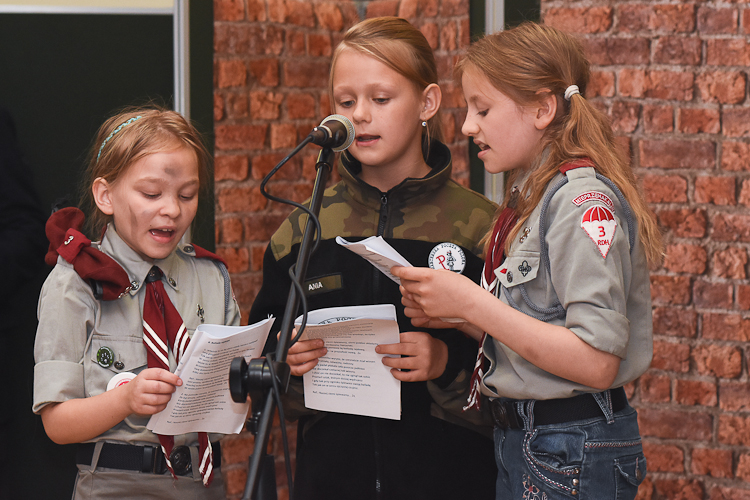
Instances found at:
x=122 y=309
x=573 y=323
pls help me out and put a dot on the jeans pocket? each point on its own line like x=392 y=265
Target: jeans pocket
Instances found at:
x=629 y=474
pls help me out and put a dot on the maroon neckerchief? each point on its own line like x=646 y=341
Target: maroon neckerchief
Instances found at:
x=163 y=328
x=495 y=256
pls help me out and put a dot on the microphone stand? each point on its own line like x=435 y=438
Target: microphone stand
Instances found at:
x=261 y=477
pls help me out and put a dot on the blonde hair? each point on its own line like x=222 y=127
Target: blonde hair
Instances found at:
x=525 y=62
x=126 y=138
x=399 y=45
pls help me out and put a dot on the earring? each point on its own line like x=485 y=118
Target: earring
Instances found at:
x=424 y=124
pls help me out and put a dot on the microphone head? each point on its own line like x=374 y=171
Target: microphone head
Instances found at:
x=350 y=134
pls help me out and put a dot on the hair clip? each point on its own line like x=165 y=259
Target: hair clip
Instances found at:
x=114 y=132
x=573 y=89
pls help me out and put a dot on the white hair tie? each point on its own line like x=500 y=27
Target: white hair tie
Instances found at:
x=573 y=89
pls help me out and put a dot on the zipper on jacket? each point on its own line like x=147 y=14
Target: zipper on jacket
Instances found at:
x=383 y=218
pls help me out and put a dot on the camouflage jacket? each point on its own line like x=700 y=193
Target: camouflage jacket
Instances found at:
x=413 y=217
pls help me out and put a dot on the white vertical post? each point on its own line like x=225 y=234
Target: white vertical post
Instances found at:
x=494 y=20
x=181 y=34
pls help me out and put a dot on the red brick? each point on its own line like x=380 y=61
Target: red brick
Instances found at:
x=262 y=164
x=731 y=227
x=378 y=8
x=319 y=45
x=679 y=489
x=736 y=122
x=672 y=85
x=431 y=33
x=745 y=21
x=408 y=9
x=684 y=223
x=265 y=105
x=240 y=136
x=683 y=258
x=242 y=199
x=237 y=105
x=711 y=462
x=300 y=13
x=329 y=17
x=265 y=71
x=727 y=52
x=237 y=259
x=707 y=295
x=733 y=396
x=241 y=39
x=610 y=50
x=218 y=108
x=670 y=290
x=230 y=230
x=232 y=167
x=632 y=17
x=719 y=361
x=730 y=263
x=716 y=190
x=665 y=188
x=743 y=297
x=231 y=73
x=719 y=493
x=464 y=37
x=726 y=327
x=744 y=198
x=296 y=43
x=675 y=322
x=256 y=10
x=698 y=121
x=306 y=74
x=677 y=154
x=717 y=20
x=671 y=356
x=672 y=18
x=452 y=8
x=229 y=10
x=580 y=20
x=657 y=119
x=672 y=424
x=260 y=227
x=624 y=116
x=723 y=87
x=734 y=430
x=735 y=156
x=246 y=287
x=743 y=468
x=273 y=40
x=256 y=257
x=449 y=37
x=601 y=83
x=695 y=392
x=300 y=106
x=283 y=135
x=677 y=50
x=664 y=458
x=655 y=388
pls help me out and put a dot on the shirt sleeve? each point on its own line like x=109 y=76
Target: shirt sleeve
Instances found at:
x=589 y=257
x=66 y=317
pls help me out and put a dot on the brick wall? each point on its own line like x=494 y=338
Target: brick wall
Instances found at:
x=271 y=63
x=673 y=78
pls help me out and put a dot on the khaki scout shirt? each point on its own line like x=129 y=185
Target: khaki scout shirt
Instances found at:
x=595 y=285
x=73 y=326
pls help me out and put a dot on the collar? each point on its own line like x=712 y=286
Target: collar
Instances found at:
x=439 y=160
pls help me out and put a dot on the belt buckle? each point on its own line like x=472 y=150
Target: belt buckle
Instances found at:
x=500 y=414
x=180 y=459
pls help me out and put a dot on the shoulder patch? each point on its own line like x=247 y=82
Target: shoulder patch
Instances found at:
x=600 y=224
x=593 y=196
x=448 y=256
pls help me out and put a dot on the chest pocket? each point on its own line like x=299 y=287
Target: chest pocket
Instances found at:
x=518 y=269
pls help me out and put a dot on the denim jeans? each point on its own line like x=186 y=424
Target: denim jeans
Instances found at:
x=585 y=459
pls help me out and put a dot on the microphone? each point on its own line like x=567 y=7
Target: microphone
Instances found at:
x=335 y=132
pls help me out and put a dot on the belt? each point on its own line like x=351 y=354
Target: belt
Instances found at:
x=554 y=411
x=149 y=459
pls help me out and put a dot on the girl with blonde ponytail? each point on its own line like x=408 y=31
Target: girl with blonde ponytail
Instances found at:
x=563 y=315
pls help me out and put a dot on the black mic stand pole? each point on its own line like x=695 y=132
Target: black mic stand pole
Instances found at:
x=260 y=479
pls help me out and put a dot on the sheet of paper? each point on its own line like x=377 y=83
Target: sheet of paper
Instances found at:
x=203 y=403
x=351 y=378
x=378 y=252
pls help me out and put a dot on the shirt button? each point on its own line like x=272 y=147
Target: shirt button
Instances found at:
x=574 y=492
x=575 y=482
x=119 y=365
x=188 y=248
x=172 y=282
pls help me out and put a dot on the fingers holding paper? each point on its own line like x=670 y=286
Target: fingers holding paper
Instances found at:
x=422 y=354
x=151 y=390
x=303 y=355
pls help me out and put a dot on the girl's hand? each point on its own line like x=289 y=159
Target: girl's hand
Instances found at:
x=419 y=318
x=425 y=356
x=303 y=355
x=437 y=293
x=151 y=390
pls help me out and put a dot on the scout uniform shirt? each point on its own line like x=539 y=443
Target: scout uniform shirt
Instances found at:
x=577 y=262
x=82 y=342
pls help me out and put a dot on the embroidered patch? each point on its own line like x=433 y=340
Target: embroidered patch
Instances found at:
x=525 y=268
x=447 y=256
x=599 y=223
x=531 y=491
x=593 y=196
